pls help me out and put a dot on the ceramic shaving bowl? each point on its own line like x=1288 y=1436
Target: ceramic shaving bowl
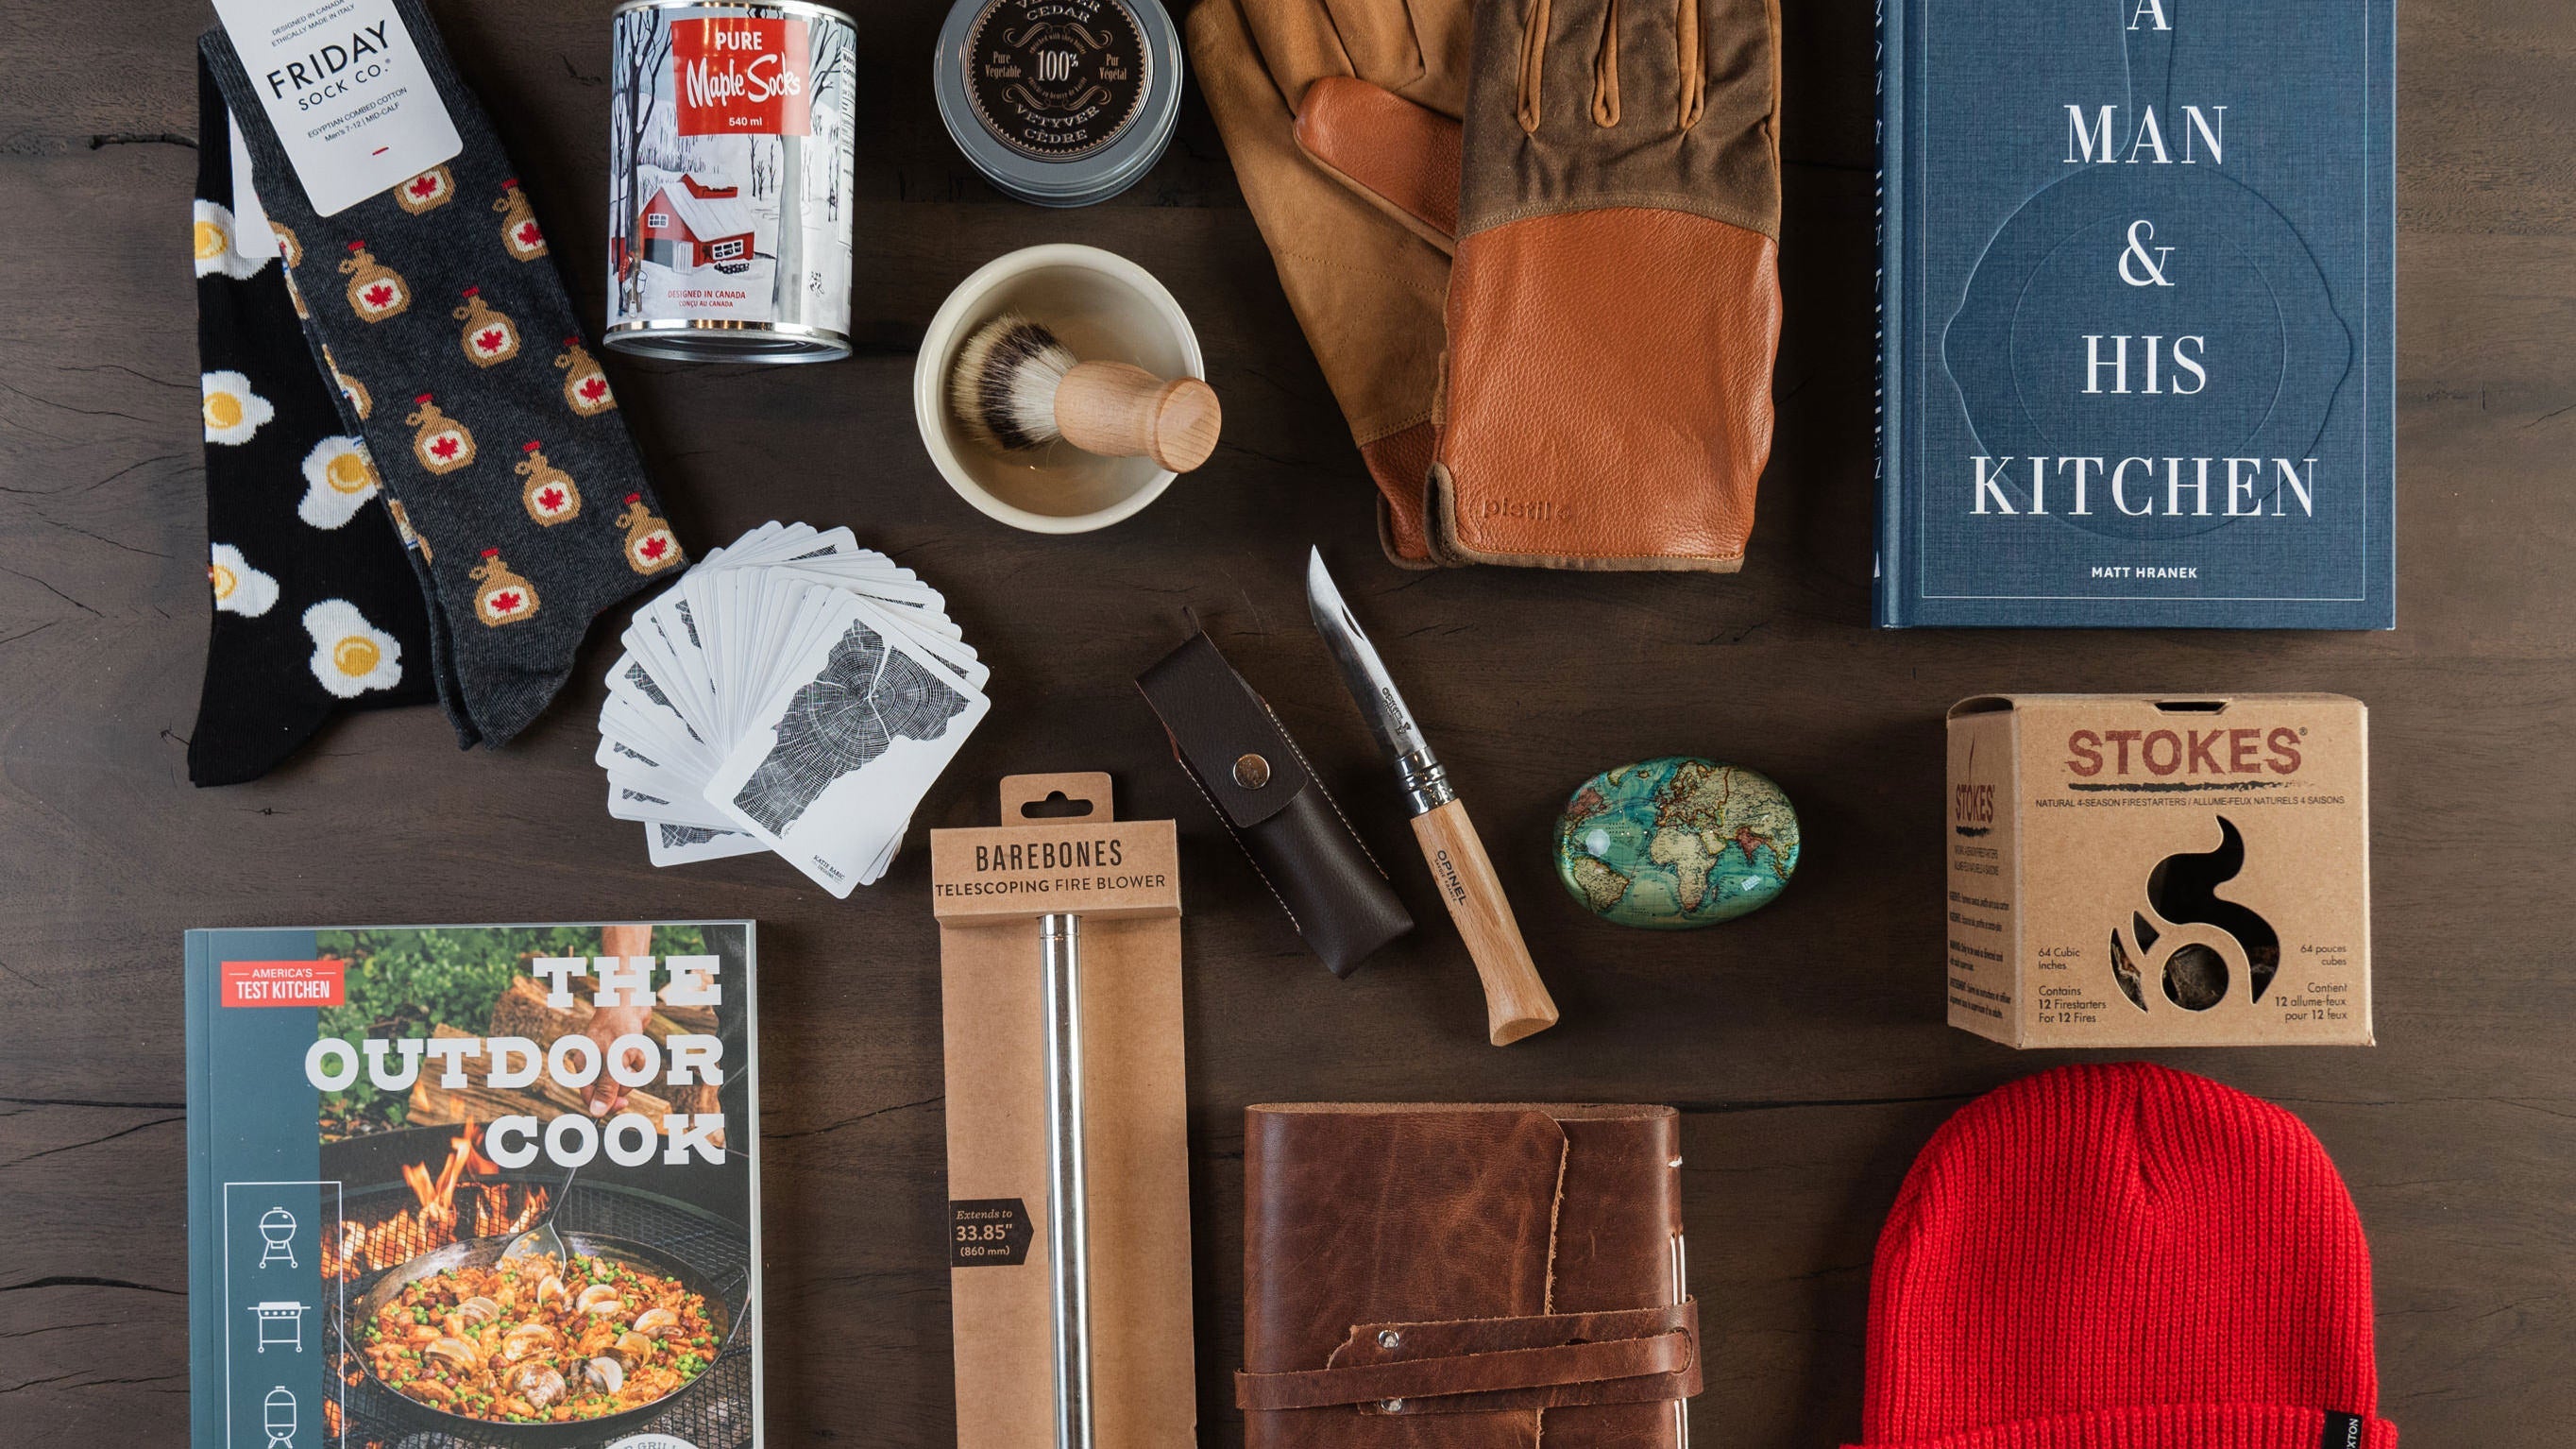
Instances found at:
x=1104 y=308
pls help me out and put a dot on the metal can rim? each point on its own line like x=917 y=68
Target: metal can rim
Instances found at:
x=783 y=7
x=824 y=344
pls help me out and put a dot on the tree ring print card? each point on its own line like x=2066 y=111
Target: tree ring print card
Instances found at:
x=832 y=763
x=831 y=676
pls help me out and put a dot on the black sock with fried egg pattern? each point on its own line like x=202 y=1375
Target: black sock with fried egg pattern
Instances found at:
x=315 y=611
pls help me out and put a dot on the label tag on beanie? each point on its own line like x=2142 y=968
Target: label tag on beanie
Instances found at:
x=347 y=91
x=2343 y=1431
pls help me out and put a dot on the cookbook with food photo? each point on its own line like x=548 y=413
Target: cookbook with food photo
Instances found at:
x=489 y=1187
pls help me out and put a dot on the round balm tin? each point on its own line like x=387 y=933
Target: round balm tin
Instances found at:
x=731 y=137
x=1060 y=102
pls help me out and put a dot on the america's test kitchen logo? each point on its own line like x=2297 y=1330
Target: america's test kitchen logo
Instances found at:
x=285 y=983
x=742 y=77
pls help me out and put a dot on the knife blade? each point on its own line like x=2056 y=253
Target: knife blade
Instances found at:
x=1516 y=1000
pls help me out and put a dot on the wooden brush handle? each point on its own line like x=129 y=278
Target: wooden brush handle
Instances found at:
x=1516 y=1001
x=1119 y=410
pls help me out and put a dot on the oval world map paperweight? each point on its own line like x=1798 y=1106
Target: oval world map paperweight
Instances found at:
x=1676 y=842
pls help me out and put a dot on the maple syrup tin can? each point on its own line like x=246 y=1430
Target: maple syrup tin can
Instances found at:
x=729 y=149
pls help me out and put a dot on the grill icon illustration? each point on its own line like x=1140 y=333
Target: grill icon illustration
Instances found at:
x=281 y=1325
x=278 y=1418
x=277 y=1232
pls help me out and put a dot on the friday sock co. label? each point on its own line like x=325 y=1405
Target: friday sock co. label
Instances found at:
x=2343 y=1431
x=347 y=92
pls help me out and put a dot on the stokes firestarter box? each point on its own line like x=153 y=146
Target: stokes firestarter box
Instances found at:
x=2144 y=870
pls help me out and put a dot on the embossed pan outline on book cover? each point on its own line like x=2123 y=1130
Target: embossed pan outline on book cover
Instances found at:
x=2356 y=367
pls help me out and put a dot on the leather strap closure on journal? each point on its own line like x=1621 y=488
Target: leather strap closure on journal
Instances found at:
x=1486 y=1364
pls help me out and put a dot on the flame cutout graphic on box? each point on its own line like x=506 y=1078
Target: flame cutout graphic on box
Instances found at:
x=2183 y=891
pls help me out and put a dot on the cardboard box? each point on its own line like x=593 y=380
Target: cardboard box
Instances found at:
x=2160 y=870
x=988 y=888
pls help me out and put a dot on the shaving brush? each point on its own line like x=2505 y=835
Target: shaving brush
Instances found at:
x=1017 y=387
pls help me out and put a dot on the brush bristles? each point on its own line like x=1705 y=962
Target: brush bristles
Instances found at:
x=1003 y=388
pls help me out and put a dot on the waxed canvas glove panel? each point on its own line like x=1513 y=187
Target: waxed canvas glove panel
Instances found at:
x=1614 y=310
x=1367 y=289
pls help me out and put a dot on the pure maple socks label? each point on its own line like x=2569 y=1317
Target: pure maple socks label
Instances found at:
x=437 y=310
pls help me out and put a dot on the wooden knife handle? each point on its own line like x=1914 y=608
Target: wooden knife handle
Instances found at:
x=1516 y=1001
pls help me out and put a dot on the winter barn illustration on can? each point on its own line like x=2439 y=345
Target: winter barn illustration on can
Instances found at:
x=730 y=164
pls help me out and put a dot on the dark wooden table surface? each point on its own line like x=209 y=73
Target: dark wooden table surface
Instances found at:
x=1805 y=1044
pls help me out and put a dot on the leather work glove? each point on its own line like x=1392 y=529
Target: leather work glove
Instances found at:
x=1615 y=305
x=1365 y=285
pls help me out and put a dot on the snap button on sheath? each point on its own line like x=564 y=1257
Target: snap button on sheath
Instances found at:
x=1251 y=772
x=1389 y=1338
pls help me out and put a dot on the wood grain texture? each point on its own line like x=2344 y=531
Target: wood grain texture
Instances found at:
x=1462 y=873
x=1804 y=1043
x=1119 y=410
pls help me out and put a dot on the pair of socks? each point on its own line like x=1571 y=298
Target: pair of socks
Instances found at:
x=436 y=315
x=315 y=610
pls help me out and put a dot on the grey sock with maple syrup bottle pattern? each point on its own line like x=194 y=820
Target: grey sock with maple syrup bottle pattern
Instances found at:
x=314 y=612
x=520 y=494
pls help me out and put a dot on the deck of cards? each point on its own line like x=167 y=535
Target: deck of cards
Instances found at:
x=793 y=692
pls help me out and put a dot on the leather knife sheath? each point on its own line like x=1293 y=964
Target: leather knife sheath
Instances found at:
x=1464 y=1277
x=1235 y=750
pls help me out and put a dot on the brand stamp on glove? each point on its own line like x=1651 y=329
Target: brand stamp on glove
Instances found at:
x=1536 y=510
x=347 y=91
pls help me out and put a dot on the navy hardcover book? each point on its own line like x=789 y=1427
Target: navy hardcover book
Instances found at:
x=2137 y=313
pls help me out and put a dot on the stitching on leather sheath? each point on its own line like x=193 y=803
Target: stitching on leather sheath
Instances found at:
x=1318 y=782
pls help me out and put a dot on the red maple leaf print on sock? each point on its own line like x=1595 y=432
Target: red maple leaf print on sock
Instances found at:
x=489 y=339
x=550 y=499
x=379 y=295
x=528 y=234
x=592 y=387
x=424 y=185
x=505 y=602
x=654 y=548
x=444 y=447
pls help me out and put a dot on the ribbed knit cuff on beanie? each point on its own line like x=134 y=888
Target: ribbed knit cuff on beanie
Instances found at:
x=2122 y=1257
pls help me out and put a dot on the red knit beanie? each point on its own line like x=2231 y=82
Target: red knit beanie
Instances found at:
x=2122 y=1257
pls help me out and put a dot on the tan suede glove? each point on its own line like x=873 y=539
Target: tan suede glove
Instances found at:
x=1615 y=306
x=1366 y=286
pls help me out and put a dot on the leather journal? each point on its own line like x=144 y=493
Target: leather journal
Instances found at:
x=1464 y=1277
x=1255 y=778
